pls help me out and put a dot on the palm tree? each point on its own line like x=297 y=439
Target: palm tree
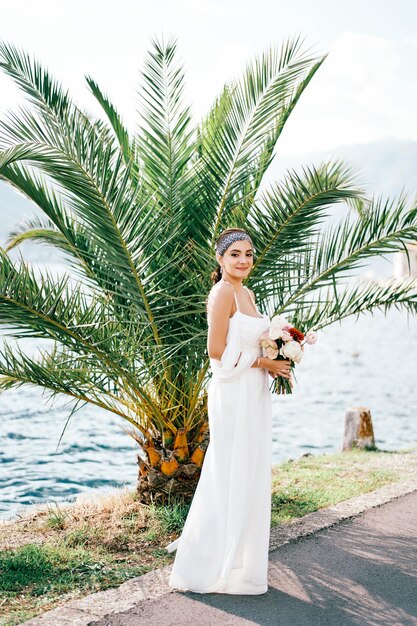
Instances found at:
x=137 y=215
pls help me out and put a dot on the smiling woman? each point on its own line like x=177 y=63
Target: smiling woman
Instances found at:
x=227 y=527
x=228 y=524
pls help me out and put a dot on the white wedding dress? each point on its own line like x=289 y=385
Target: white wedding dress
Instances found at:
x=224 y=544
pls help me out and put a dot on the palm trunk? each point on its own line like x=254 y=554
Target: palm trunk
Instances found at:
x=166 y=475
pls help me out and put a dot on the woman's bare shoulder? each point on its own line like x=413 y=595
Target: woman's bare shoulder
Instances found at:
x=221 y=290
x=221 y=295
x=222 y=287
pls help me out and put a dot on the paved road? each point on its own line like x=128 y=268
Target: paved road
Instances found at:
x=360 y=572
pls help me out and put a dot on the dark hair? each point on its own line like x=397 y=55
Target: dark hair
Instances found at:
x=216 y=274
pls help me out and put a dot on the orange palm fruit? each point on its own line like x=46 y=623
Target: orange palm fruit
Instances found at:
x=169 y=466
x=153 y=454
x=197 y=456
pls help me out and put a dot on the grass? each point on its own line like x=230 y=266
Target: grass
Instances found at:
x=43 y=568
x=34 y=577
x=314 y=482
x=66 y=551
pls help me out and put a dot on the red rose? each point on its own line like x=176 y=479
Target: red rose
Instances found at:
x=296 y=334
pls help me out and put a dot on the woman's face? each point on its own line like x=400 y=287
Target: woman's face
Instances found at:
x=237 y=261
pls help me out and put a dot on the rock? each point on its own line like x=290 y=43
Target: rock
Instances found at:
x=359 y=432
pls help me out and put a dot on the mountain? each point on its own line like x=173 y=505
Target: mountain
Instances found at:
x=384 y=166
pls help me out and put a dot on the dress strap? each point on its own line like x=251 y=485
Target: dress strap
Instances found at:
x=251 y=297
x=234 y=293
x=237 y=303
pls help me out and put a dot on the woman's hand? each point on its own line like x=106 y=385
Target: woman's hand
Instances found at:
x=281 y=367
x=275 y=374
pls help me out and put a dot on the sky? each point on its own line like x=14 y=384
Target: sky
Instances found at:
x=366 y=90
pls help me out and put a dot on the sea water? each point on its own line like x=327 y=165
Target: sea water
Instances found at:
x=369 y=361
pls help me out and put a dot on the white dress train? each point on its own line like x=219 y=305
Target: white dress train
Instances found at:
x=224 y=544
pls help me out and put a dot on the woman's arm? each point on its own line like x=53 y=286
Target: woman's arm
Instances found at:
x=219 y=309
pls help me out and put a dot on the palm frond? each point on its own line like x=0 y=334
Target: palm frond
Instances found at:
x=164 y=141
x=115 y=120
x=366 y=296
x=56 y=308
x=60 y=372
x=383 y=229
x=88 y=256
x=288 y=215
x=38 y=230
x=257 y=109
x=106 y=204
x=35 y=82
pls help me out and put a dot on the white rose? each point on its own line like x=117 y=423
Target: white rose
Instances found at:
x=292 y=350
x=279 y=320
x=277 y=324
x=275 y=332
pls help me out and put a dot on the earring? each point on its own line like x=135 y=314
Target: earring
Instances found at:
x=221 y=269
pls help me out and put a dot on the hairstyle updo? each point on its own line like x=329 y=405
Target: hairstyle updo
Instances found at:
x=216 y=274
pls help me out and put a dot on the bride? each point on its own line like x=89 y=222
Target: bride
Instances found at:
x=224 y=544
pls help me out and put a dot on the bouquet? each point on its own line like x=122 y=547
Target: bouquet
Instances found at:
x=283 y=341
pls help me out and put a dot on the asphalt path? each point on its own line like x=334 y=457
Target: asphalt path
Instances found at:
x=360 y=572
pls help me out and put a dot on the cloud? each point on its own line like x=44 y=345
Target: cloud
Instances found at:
x=362 y=93
x=366 y=89
x=411 y=40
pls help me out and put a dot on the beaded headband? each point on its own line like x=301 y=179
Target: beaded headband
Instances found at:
x=225 y=243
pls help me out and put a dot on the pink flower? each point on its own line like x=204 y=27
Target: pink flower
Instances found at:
x=311 y=337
